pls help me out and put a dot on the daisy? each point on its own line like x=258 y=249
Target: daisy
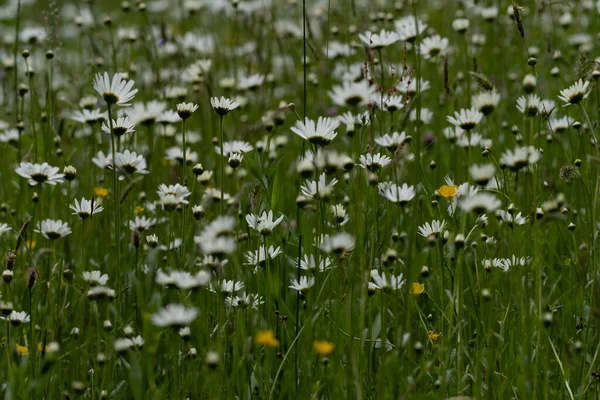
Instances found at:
x=308 y=263
x=318 y=190
x=118 y=91
x=425 y=117
x=433 y=46
x=396 y=194
x=336 y=49
x=561 y=125
x=4 y=228
x=511 y=218
x=391 y=142
x=482 y=174
x=263 y=223
x=409 y=86
x=251 y=82
x=223 y=105
x=546 y=107
x=141 y=224
x=101 y=293
x=352 y=93
x=215 y=239
x=229 y=287
x=520 y=157
x=374 y=162
x=453 y=133
x=379 y=40
x=95 y=278
x=10 y=136
x=339 y=243
x=86 y=116
x=575 y=93
x=245 y=301
x=235 y=160
x=432 y=230
x=17 y=318
x=120 y=126
x=53 y=229
x=175 y=315
x=480 y=203
x=235 y=146
x=303 y=285
x=381 y=282
x=130 y=162
x=168 y=117
x=85 y=208
x=486 y=102
x=39 y=173
x=259 y=257
x=146 y=114
x=466 y=119
x=409 y=28
x=103 y=161
x=489 y=13
x=175 y=154
x=179 y=192
x=185 y=110
x=321 y=133
x=529 y=105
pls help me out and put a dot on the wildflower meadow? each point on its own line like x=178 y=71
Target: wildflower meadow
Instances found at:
x=300 y=199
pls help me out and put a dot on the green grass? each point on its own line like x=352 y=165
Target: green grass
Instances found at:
x=474 y=329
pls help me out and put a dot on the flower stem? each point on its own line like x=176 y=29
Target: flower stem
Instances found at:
x=115 y=180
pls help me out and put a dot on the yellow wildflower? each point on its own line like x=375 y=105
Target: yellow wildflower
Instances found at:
x=417 y=288
x=138 y=210
x=266 y=338
x=22 y=350
x=100 y=192
x=323 y=347
x=447 y=192
x=434 y=337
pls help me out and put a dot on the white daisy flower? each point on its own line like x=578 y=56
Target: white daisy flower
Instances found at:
x=131 y=162
x=321 y=133
x=175 y=315
x=120 y=126
x=374 y=162
x=263 y=223
x=185 y=110
x=529 y=105
x=39 y=173
x=432 y=229
x=85 y=208
x=382 y=282
x=352 y=93
x=480 y=203
x=391 y=142
x=379 y=40
x=339 y=243
x=433 y=46
x=575 y=93
x=303 y=285
x=95 y=278
x=486 y=102
x=466 y=119
x=320 y=189
x=396 y=194
x=53 y=229
x=119 y=91
x=223 y=105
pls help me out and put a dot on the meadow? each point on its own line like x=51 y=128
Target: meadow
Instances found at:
x=299 y=199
